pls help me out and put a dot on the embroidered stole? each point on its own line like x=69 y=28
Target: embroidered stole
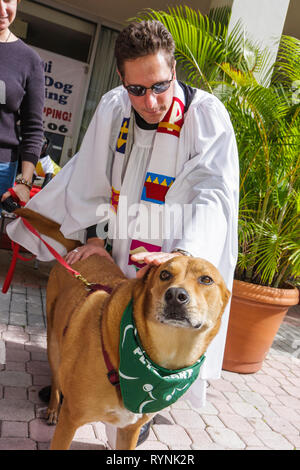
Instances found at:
x=160 y=173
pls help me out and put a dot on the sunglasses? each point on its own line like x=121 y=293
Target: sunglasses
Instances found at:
x=157 y=88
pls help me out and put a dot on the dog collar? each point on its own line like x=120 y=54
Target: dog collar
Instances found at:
x=145 y=386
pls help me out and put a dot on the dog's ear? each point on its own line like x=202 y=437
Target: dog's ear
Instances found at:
x=227 y=295
x=142 y=281
x=146 y=275
x=150 y=271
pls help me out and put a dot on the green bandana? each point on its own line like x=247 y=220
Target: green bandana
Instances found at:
x=145 y=386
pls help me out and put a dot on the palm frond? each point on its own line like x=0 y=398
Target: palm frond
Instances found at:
x=287 y=65
x=220 y=15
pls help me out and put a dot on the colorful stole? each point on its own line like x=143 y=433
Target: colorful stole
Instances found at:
x=161 y=171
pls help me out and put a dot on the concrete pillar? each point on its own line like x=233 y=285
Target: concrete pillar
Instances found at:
x=263 y=21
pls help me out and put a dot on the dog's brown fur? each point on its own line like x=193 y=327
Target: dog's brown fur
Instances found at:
x=76 y=357
x=173 y=340
x=47 y=227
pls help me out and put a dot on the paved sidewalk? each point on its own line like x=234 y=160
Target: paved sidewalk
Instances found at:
x=253 y=411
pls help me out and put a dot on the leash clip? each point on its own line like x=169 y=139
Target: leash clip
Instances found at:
x=87 y=284
x=92 y=286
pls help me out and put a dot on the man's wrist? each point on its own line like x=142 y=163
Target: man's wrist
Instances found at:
x=182 y=252
x=95 y=241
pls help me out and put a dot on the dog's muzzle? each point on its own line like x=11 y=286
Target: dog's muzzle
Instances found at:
x=177 y=309
x=176 y=302
x=176 y=297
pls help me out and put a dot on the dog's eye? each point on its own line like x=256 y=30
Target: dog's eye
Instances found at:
x=205 y=280
x=165 y=275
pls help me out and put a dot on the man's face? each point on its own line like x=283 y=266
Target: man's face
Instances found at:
x=147 y=71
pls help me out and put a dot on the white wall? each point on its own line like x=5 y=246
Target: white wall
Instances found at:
x=263 y=21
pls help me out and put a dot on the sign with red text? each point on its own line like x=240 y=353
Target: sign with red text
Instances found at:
x=64 y=84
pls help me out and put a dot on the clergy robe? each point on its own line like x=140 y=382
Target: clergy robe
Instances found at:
x=207 y=180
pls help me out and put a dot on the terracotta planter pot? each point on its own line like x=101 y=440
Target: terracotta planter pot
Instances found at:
x=255 y=317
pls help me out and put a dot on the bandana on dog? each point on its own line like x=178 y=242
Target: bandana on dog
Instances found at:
x=145 y=386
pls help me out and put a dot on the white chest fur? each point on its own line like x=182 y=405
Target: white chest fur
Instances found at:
x=123 y=417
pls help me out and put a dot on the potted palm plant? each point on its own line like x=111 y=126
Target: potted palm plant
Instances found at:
x=267 y=125
x=265 y=116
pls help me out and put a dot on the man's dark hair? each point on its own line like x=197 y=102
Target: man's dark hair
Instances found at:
x=143 y=38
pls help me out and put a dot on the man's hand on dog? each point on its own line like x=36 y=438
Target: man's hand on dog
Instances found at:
x=93 y=246
x=96 y=246
x=151 y=259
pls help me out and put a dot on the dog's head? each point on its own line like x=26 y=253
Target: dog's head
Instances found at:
x=186 y=293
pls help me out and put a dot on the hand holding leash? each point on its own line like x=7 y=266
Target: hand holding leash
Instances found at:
x=19 y=192
x=12 y=202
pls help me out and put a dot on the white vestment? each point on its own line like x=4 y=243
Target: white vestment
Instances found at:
x=207 y=177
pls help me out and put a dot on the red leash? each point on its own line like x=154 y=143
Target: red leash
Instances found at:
x=36 y=233
x=52 y=251
x=90 y=286
x=10 y=273
x=15 y=250
x=16 y=198
x=112 y=375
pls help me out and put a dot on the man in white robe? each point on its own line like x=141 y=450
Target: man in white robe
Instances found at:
x=149 y=133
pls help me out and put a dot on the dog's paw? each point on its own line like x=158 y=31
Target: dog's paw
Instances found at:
x=52 y=417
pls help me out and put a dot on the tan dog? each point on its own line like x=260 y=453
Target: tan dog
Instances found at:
x=177 y=312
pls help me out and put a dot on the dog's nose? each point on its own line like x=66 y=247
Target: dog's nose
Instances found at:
x=177 y=295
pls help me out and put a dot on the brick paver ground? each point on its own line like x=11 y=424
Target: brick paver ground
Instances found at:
x=243 y=412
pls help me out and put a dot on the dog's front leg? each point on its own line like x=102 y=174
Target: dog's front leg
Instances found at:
x=127 y=437
x=54 y=403
x=64 y=431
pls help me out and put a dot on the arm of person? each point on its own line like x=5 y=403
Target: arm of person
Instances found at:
x=154 y=259
x=93 y=245
x=21 y=190
x=31 y=120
